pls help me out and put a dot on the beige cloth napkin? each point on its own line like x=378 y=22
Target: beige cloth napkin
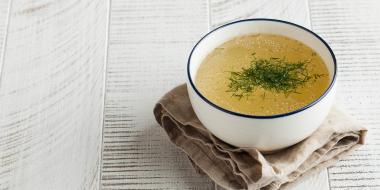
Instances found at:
x=243 y=168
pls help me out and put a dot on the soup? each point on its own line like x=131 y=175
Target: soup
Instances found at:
x=262 y=74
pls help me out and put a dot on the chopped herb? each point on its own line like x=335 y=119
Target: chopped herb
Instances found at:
x=273 y=74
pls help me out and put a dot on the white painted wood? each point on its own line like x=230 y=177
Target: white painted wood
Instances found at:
x=315 y=182
x=149 y=42
x=4 y=7
x=51 y=95
x=352 y=28
x=222 y=11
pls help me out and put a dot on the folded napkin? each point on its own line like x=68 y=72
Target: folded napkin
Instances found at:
x=247 y=168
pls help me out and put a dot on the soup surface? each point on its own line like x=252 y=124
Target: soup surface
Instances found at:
x=262 y=74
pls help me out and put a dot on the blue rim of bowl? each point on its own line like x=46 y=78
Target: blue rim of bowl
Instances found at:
x=258 y=116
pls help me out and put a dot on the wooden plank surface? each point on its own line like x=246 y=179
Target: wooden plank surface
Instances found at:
x=4 y=7
x=149 y=42
x=353 y=31
x=222 y=11
x=51 y=95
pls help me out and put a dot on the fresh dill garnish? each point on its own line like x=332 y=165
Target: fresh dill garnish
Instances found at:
x=273 y=74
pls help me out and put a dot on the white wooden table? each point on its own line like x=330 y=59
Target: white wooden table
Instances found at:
x=79 y=79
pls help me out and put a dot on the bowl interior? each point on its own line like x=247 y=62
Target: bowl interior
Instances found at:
x=229 y=31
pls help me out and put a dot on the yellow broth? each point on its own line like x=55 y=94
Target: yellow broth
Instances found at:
x=212 y=78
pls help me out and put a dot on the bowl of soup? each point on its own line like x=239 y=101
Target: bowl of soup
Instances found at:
x=261 y=83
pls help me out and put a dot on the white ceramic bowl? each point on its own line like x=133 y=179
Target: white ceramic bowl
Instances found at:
x=266 y=133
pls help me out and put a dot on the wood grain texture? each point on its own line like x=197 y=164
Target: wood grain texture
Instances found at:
x=352 y=29
x=51 y=95
x=149 y=42
x=296 y=11
x=222 y=11
x=4 y=7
